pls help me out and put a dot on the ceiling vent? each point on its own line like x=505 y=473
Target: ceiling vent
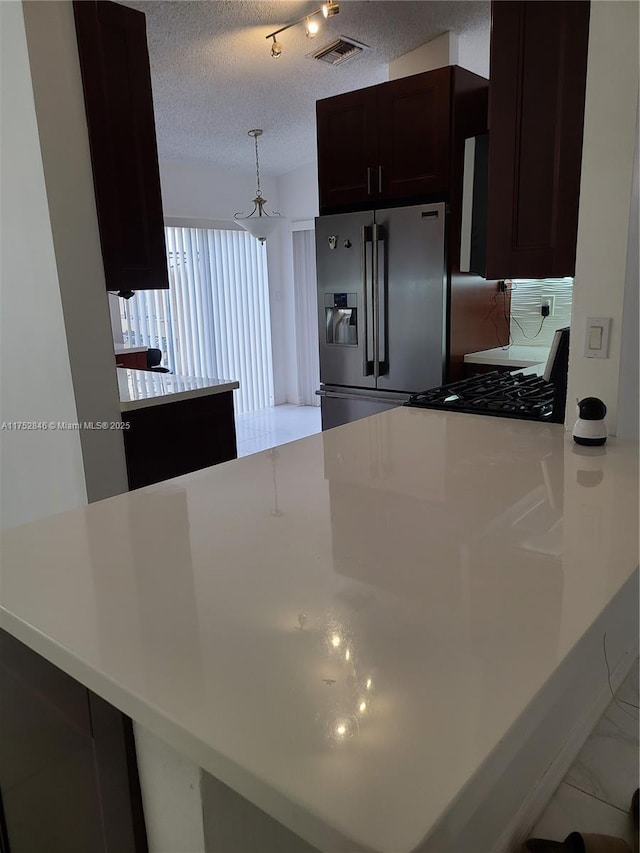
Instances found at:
x=338 y=51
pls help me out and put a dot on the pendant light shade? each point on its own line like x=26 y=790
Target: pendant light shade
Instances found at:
x=258 y=223
x=260 y=226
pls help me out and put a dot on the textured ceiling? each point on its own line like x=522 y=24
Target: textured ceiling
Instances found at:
x=214 y=78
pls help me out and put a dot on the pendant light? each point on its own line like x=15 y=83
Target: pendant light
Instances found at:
x=258 y=223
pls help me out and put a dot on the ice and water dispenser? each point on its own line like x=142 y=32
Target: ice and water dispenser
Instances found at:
x=341 y=318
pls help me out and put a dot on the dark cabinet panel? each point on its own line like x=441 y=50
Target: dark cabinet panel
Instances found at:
x=68 y=773
x=172 y=439
x=347 y=148
x=393 y=143
x=114 y=61
x=536 y=116
x=414 y=135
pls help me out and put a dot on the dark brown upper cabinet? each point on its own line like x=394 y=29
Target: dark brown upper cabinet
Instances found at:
x=114 y=62
x=391 y=142
x=347 y=148
x=536 y=116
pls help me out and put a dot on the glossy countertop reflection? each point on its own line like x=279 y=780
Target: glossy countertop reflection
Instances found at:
x=141 y=388
x=341 y=629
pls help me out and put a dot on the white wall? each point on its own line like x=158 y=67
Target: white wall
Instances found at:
x=62 y=128
x=42 y=471
x=469 y=49
x=605 y=198
x=298 y=192
x=171 y=799
x=436 y=53
x=200 y=193
x=629 y=383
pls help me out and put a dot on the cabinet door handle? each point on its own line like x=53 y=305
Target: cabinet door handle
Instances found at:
x=379 y=179
x=368 y=180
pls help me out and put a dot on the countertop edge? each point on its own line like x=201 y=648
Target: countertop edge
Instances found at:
x=177 y=396
x=294 y=816
x=507 y=357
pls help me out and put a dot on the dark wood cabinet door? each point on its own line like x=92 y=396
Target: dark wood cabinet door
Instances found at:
x=169 y=440
x=68 y=773
x=536 y=116
x=414 y=135
x=347 y=149
x=114 y=61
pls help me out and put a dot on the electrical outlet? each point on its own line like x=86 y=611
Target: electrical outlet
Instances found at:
x=548 y=306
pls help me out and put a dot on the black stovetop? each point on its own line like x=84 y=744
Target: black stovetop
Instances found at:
x=506 y=395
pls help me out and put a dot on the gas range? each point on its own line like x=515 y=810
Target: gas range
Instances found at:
x=505 y=395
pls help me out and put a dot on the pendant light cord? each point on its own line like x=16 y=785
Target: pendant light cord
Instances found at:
x=258 y=192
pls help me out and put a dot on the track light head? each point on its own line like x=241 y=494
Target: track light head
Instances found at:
x=330 y=8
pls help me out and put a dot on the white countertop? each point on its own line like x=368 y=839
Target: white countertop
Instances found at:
x=514 y=356
x=344 y=629
x=125 y=348
x=141 y=388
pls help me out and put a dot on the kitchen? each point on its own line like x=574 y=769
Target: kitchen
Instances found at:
x=480 y=323
x=62 y=483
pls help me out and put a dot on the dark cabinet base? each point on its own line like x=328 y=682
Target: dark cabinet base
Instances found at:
x=171 y=439
x=68 y=773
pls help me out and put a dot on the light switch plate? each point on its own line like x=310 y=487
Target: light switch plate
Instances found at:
x=596 y=339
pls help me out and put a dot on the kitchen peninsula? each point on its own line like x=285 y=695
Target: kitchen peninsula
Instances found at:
x=174 y=424
x=387 y=637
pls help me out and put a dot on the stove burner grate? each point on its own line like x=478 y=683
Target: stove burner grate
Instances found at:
x=503 y=394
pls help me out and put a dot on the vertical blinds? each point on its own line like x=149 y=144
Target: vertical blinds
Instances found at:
x=306 y=312
x=214 y=320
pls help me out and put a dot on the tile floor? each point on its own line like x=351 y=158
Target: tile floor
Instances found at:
x=276 y=425
x=595 y=795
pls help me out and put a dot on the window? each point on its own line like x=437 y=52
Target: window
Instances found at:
x=214 y=320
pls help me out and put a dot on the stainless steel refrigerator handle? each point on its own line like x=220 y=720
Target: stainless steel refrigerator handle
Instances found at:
x=366 y=361
x=376 y=329
x=368 y=180
x=381 y=336
x=370 y=398
x=379 y=179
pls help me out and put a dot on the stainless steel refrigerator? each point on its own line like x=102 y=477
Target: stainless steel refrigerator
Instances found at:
x=381 y=308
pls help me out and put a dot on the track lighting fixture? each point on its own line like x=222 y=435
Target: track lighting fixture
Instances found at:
x=328 y=10
x=276 y=48
x=312 y=29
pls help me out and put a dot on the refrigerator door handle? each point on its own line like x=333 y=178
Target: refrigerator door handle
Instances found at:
x=379 y=310
x=367 y=359
x=376 y=327
x=381 y=329
x=370 y=398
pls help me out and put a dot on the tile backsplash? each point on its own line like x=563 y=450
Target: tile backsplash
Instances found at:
x=527 y=296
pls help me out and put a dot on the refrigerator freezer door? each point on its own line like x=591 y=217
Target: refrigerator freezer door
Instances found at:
x=345 y=301
x=412 y=289
x=338 y=407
